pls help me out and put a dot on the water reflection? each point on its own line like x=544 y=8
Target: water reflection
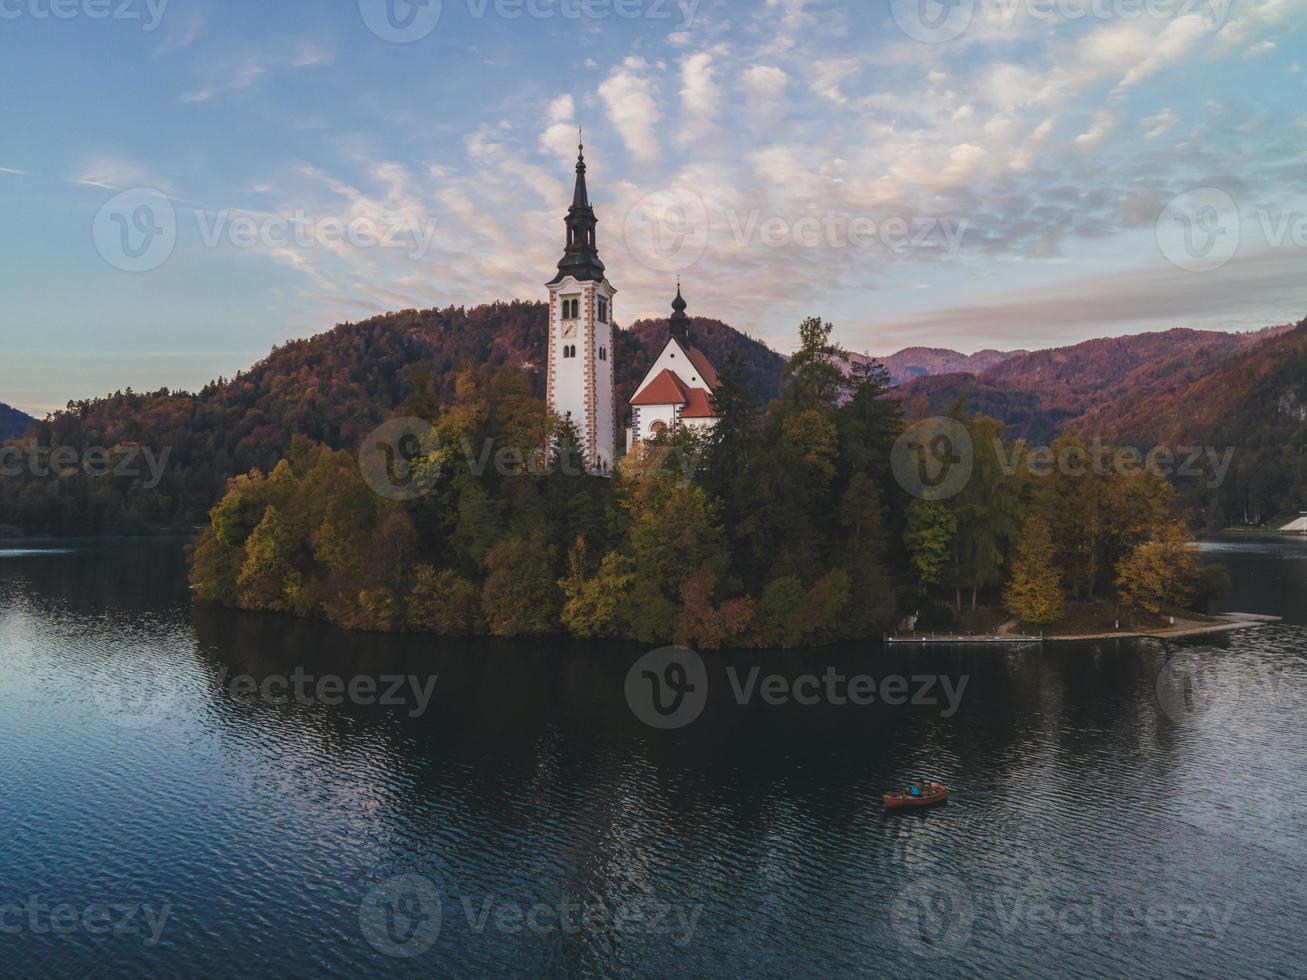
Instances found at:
x=527 y=782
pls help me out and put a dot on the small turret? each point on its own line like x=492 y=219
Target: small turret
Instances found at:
x=679 y=322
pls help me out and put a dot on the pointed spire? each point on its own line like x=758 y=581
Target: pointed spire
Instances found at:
x=580 y=198
x=679 y=323
x=581 y=254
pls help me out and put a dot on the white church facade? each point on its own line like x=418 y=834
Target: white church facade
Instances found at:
x=580 y=381
x=678 y=388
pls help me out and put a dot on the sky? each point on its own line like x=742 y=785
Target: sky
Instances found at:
x=185 y=183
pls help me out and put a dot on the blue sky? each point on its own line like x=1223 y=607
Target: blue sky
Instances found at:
x=993 y=173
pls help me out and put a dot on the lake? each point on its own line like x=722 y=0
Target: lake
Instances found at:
x=196 y=792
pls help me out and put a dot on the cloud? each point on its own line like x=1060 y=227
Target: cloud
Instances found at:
x=560 y=137
x=112 y=174
x=764 y=88
x=240 y=73
x=830 y=73
x=1102 y=126
x=701 y=96
x=631 y=99
x=181 y=29
x=1159 y=123
x=1253 y=290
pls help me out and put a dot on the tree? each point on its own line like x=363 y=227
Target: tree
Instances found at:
x=930 y=528
x=812 y=378
x=862 y=554
x=443 y=602
x=987 y=511
x=1214 y=584
x=869 y=421
x=594 y=601
x=673 y=535
x=732 y=447
x=705 y=624
x=779 y=613
x=520 y=596
x=268 y=578
x=1034 y=593
x=1160 y=571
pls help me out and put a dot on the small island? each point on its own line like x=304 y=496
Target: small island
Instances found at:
x=826 y=515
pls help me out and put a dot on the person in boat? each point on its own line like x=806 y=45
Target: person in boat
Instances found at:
x=914 y=789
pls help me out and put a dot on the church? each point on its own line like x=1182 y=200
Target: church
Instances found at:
x=580 y=382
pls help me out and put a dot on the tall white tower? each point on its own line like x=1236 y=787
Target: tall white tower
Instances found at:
x=579 y=384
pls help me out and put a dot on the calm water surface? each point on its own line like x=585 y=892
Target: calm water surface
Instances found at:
x=1121 y=808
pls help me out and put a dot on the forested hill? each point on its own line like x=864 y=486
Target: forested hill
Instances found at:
x=1242 y=392
x=1039 y=393
x=920 y=362
x=1254 y=402
x=333 y=387
x=13 y=423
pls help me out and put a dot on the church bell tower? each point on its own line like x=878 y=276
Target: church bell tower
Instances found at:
x=579 y=381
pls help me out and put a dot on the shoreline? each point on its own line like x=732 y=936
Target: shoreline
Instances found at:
x=1227 y=622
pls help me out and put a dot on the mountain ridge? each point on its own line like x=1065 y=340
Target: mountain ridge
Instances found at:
x=13 y=422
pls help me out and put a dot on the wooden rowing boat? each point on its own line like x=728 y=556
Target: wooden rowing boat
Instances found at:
x=931 y=794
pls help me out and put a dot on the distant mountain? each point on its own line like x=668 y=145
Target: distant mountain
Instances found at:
x=920 y=362
x=1254 y=402
x=1245 y=392
x=13 y=423
x=1037 y=393
x=334 y=388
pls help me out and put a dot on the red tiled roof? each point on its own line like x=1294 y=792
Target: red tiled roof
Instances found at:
x=707 y=373
x=700 y=405
x=665 y=389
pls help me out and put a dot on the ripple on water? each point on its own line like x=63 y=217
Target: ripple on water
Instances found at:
x=1087 y=798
